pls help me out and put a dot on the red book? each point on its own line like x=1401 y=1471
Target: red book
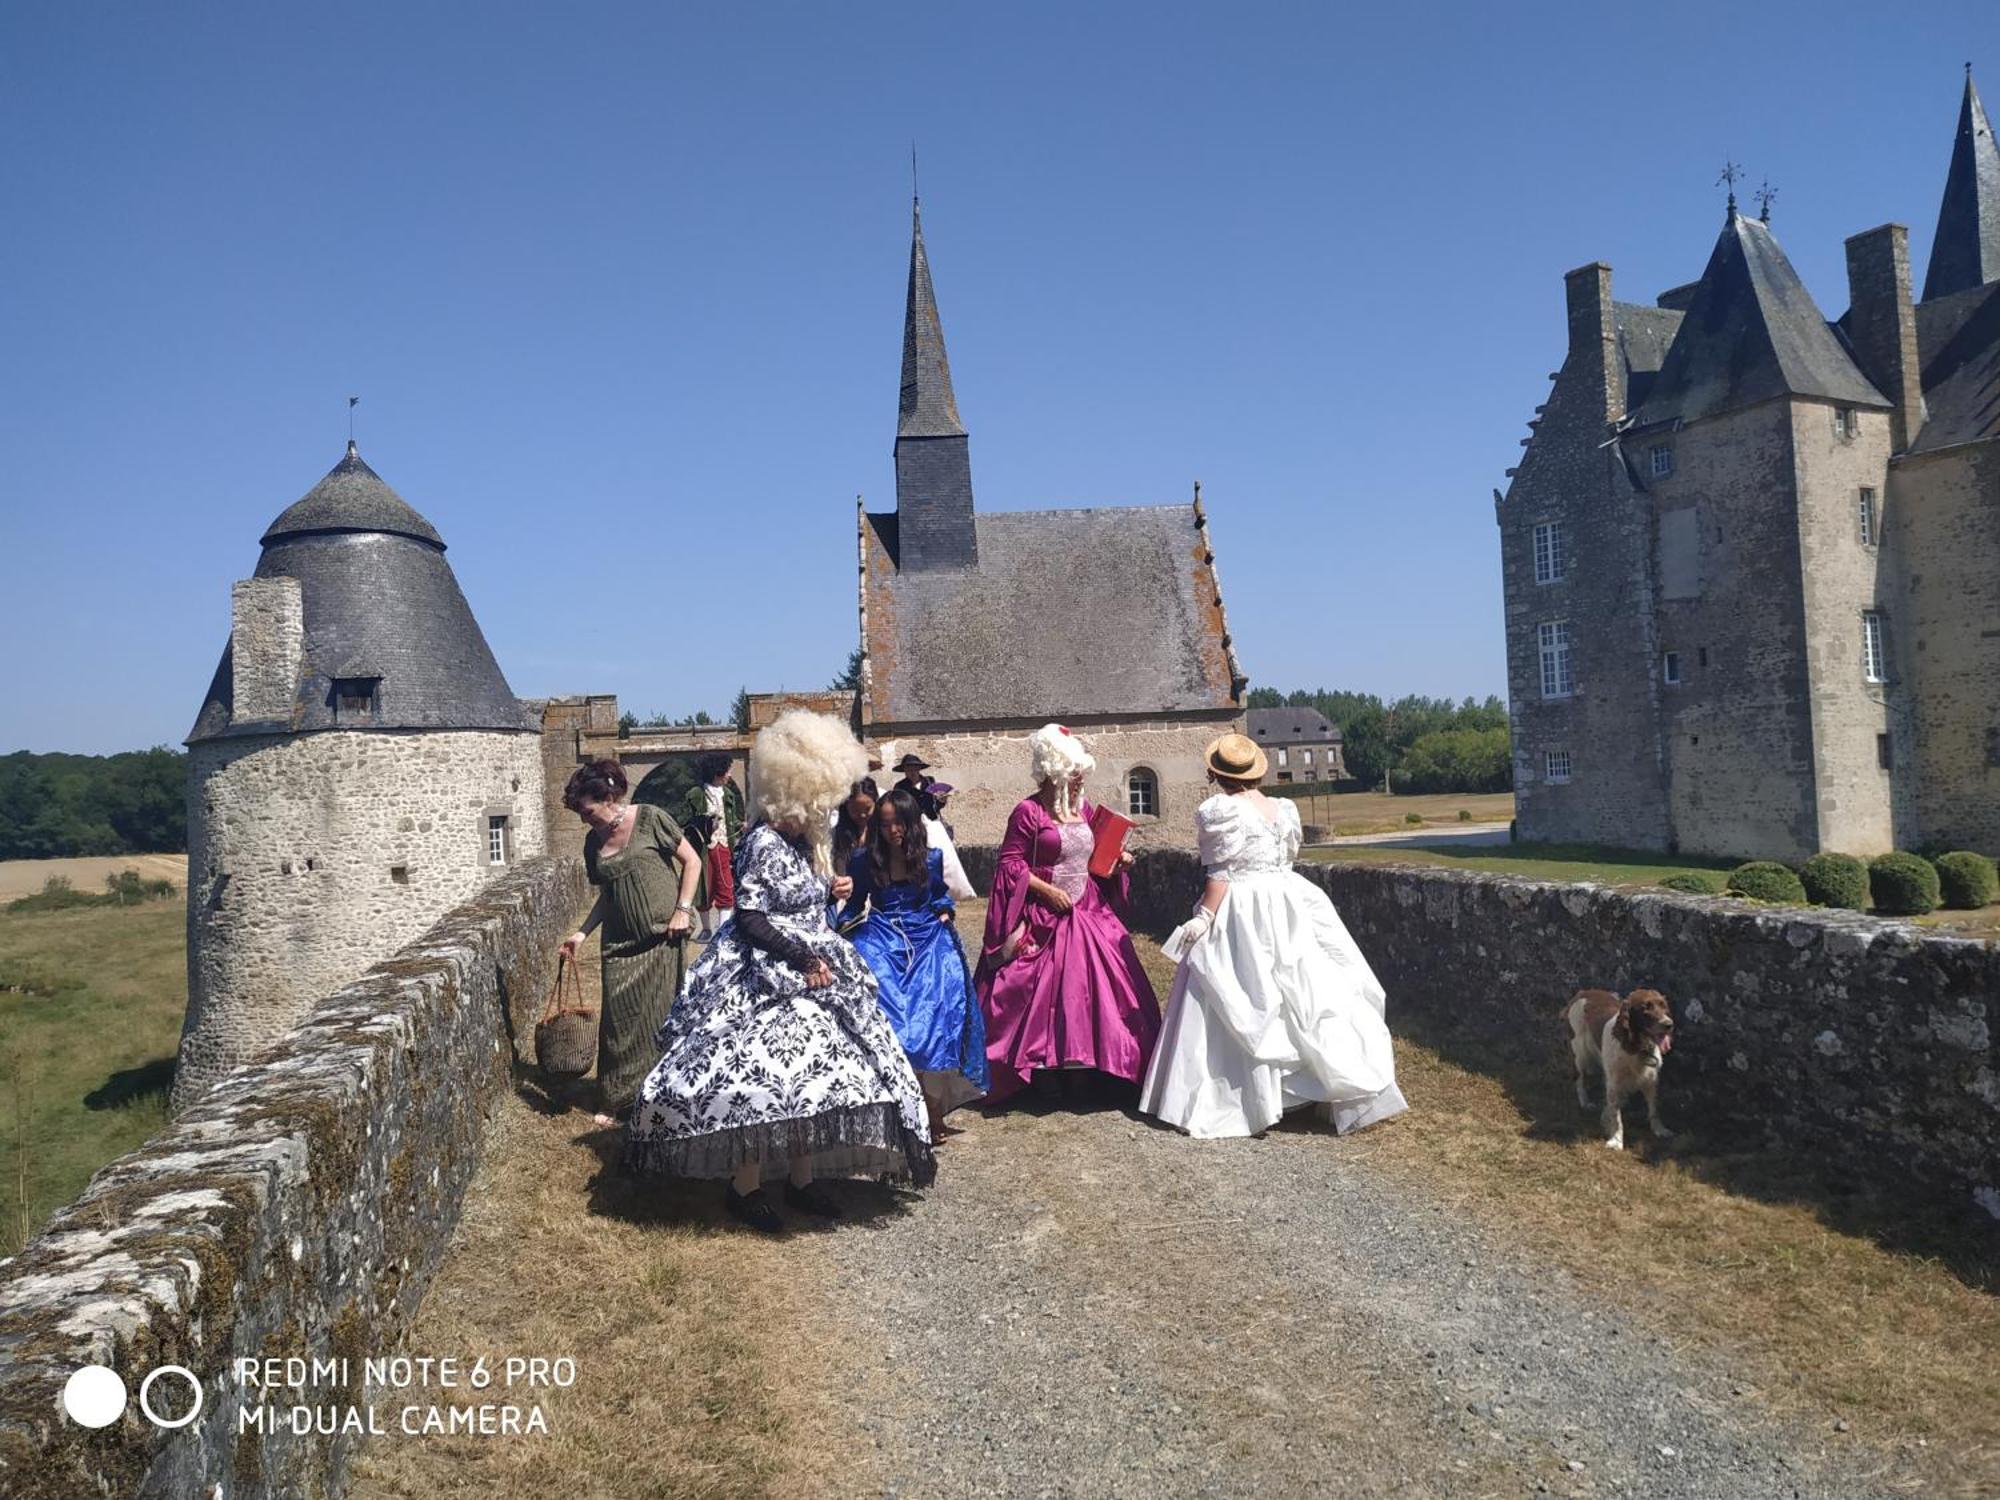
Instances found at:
x=1109 y=829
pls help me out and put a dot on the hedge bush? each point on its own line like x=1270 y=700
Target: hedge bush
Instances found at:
x=1766 y=880
x=1835 y=880
x=1966 y=881
x=1692 y=884
x=1904 y=885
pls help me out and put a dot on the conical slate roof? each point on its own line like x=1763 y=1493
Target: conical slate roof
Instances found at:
x=380 y=602
x=928 y=408
x=352 y=497
x=1751 y=333
x=1966 y=252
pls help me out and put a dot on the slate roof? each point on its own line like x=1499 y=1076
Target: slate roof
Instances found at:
x=1958 y=347
x=1113 y=610
x=1752 y=332
x=1645 y=334
x=1290 y=726
x=352 y=497
x=1966 y=250
x=927 y=408
x=380 y=601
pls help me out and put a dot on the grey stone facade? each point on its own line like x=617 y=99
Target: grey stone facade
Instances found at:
x=298 y=1209
x=1302 y=745
x=1749 y=557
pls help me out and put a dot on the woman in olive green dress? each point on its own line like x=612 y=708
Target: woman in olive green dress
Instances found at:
x=645 y=873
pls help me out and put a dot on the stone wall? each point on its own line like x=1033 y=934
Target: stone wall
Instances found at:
x=299 y=1208
x=1819 y=1031
x=312 y=856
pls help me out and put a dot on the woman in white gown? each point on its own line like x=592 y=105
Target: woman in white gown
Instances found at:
x=1273 y=1005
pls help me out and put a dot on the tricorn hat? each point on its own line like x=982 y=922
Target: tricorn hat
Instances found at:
x=913 y=762
x=1237 y=757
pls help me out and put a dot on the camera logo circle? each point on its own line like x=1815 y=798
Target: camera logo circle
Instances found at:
x=94 y=1396
x=146 y=1388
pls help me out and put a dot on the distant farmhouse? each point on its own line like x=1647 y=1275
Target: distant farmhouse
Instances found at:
x=1752 y=559
x=1300 y=743
x=977 y=629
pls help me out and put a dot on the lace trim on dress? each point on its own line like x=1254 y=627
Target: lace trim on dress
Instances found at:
x=870 y=1137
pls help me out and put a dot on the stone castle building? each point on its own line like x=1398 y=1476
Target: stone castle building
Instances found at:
x=358 y=768
x=978 y=628
x=1751 y=558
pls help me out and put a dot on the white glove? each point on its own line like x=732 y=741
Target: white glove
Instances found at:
x=1190 y=932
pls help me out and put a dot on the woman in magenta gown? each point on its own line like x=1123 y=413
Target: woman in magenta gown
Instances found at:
x=1059 y=983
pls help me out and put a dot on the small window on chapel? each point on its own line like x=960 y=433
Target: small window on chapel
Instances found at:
x=355 y=699
x=1142 y=789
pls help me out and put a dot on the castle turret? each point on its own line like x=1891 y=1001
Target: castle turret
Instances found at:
x=1966 y=250
x=935 y=526
x=359 y=767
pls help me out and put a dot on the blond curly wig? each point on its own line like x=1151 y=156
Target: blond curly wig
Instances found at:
x=1055 y=756
x=800 y=770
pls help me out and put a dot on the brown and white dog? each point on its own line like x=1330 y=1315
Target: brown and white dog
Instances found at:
x=1625 y=1041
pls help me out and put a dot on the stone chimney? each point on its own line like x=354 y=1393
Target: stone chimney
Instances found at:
x=1593 y=336
x=267 y=634
x=1882 y=325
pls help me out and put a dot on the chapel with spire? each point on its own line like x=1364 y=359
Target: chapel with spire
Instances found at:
x=1751 y=557
x=978 y=627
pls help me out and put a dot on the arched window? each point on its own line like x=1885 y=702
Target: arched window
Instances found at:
x=1142 y=793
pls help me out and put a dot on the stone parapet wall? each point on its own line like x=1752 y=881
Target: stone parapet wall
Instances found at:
x=1820 y=1031
x=299 y=1208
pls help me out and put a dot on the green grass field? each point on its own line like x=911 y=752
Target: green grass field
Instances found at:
x=90 y=1015
x=1619 y=867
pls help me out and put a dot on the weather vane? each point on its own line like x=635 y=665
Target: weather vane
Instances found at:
x=915 y=197
x=1731 y=171
x=1765 y=196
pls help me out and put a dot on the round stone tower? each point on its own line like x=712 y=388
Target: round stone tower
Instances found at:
x=360 y=767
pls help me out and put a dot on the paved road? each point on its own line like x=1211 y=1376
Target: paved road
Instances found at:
x=1457 y=835
x=1088 y=1305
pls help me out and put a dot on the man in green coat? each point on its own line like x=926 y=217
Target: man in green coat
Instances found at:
x=713 y=810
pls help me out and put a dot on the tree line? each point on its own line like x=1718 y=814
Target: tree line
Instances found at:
x=60 y=806
x=1421 y=744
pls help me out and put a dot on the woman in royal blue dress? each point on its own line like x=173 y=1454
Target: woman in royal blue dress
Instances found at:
x=909 y=943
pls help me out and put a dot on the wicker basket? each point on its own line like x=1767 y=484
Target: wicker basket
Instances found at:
x=566 y=1036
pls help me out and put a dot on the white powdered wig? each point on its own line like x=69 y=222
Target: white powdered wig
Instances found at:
x=1058 y=755
x=800 y=771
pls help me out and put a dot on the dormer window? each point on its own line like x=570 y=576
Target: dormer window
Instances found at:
x=356 y=700
x=1844 y=422
x=1662 y=455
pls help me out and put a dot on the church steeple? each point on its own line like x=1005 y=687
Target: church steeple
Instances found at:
x=935 y=526
x=1966 y=252
x=928 y=408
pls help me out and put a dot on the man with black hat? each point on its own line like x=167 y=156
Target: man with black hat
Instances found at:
x=917 y=784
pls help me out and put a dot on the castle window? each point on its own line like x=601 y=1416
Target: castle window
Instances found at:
x=1142 y=793
x=496 y=840
x=1874 y=659
x=400 y=874
x=1670 y=667
x=1553 y=637
x=1885 y=754
x=1308 y=758
x=355 y=699
x=1844 y=423
x=1555 y=767
x=1284 y=756
x=1867 y=518
x=1662 y=456
x=1701 y=656
x=1551 y=561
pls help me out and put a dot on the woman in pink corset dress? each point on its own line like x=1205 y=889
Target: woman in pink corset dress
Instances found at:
x=1059 y=982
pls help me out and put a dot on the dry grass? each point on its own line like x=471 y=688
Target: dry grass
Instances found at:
x=1735 y=1254
x=702 y=1364
x=1382 y=812
x=24 y=877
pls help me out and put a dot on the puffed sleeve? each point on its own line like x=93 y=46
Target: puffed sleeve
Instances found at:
x=1219 y=834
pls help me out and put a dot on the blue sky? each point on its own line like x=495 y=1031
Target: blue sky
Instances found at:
x=621 y=290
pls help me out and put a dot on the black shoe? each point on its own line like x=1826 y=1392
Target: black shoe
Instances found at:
x=811 y=1199
x=754 y=1209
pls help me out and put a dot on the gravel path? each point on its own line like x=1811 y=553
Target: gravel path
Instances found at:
x=1088 y=1305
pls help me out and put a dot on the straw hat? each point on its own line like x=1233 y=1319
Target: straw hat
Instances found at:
x=1237 y=757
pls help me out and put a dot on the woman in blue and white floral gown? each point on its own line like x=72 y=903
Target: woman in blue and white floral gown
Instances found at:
x=1273 y=1005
